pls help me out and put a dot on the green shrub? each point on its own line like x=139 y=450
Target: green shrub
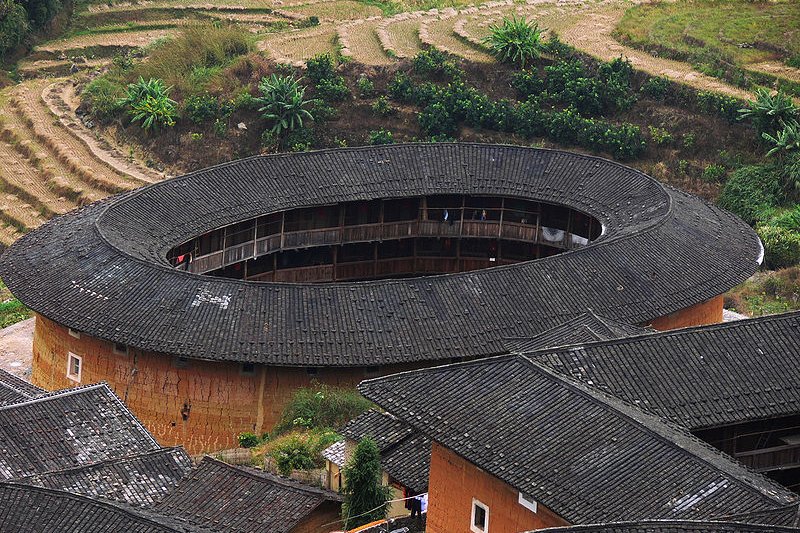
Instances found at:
x=713 y=173
x=364 y=495
x=436 y=119
x=655 y=88
x=401 y=88
x=283 y=103
x=660 y=136
x=527 y=82
x=769 y=112
x=200 y=108
x=750 y=191
x=321 y=406
x=149 y=102
x=321 y=110
x=319 y=68
x=300 y=139
x=688 y=140
x=514 y=40
x=788 y=219
x=13 y=25
x=248 y=440
x=365 y=86
x=382 y=107
x=103 y=97
x=381 y=137
x=712 y=103
x=293 y=454
x=13 y=311
x=781 y=246
x=432 y=61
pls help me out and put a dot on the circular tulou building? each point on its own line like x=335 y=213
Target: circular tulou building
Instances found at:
x=205 y=300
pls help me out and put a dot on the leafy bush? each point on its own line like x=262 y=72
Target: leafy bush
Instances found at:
x=364 y=496
x=300 y=139
x=712 y=103
x=787 y=139
x=750 y=191
x=321 y=406
x=660 y=136
x=527 y=82
x=769 y=112
x=282 y=103
x=200 y=108
x=713 y=173
x=781 y=246
x=401 y=88
x=382 y=107
x=149 y=102
x=365 y=86
x=13 y=311
x=655 y=88
x=514 y=40
x=300 y=450
x=103 y=97
x=380 y=137
x=248 y=440
x=432 y=61
x=13 y=25
x=319 y=68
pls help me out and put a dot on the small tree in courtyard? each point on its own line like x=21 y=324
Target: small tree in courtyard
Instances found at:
x=364 y=496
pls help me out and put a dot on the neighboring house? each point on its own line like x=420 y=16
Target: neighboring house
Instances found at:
x=517 y=446
x=405 y=455
x=15 y=390
x=227 y=498
x=734 y=385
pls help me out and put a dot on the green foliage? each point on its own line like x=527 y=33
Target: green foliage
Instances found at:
x=321 y=406
x=381 y=137
x=514 y=40
x=401 y=88
x=200 y=108
x=713 y=173
x=310 y=22
x=149 y=102
x=13 y=25
x=769 y=112
x=365 y=86
x=655 y=88
x=364 y=496
x=300 y=139
x=793 y=61
x=751 y=191
x=527 y=82
x=328 y=85
x=283 y=103
x=688 y=140
x=382 y=107
x=712 y=103
x=248 y=440
x=123 y=61
x=786 y=139
x=300 y=450
x=660 y=136
x=103 y=97
x=432 y=61
x=321 y=110
x=781 y=246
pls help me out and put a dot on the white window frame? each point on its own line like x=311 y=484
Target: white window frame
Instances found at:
x=527 y=502
x=472 y=526
x=73 y=333
x=72 y=357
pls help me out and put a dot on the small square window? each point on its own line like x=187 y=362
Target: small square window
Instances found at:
x=73 y=333
x=248 y=369
x=312 y=371
x=181 y=362
x=527 y=501
x=120 y=349
x=480 y=517
x=74 y=367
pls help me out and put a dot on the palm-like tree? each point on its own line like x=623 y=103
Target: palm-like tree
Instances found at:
x=283 y=103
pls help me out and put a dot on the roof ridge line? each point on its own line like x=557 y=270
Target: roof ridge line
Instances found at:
x=114 y=460
x=710 y=455
x=58 y=394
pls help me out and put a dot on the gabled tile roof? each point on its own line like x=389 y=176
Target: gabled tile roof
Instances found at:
x=66 y=429
x=405 y=452
x=234 y=499
x=103 y=270
x=15 y=390
x=140 y=480
x=589 y=457
x=698 y=377
x=672 y=526
x=586 y=327
x=29 y=509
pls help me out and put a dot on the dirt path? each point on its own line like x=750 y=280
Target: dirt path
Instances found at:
x=16 y=348
x=592 y=34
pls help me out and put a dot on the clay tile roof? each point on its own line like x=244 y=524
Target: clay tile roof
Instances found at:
x=672 y=526
x=66 y=429
x=29 y=509
x=405 y=452
x=103 y=270
x=15 y=390
x=698 y=377
x=586 y=327
x=589 y=457
x=229 y=498
x=140 y=480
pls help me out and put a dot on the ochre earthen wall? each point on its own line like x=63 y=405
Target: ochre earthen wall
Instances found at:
x=708 y=312
x=454 y=482
x=324 y=518
x=220 y=401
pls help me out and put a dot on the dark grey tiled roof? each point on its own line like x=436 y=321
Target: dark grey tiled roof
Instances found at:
x=589 y=457
x=699 y=377
x=139 y=480
x=229 y=498
x=29 y=509
x=672 y=526
x=66 y=429
x=15 y=390
x=586 y=327
x=405 y=452
x=103 y=269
